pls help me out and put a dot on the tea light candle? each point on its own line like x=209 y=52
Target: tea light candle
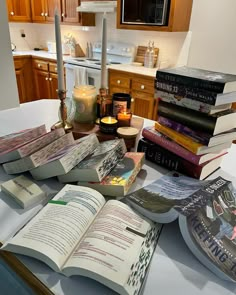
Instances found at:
x=124 y=119
x=108 y=124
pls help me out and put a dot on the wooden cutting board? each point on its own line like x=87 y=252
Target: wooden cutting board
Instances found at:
x=141 y=50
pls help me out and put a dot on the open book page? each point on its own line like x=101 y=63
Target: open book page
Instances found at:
x=53 y=234
x=110 y=250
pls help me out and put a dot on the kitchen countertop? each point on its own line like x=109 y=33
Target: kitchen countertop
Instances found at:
x=151 y=72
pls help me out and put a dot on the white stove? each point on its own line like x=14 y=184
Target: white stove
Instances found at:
x=87 y=70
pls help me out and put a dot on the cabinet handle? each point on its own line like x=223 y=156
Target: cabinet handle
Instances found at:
x=42 y=14
x=46 y=14
x=142 y=87
x=50 y=79
x=118 y=81
x=132 y=99
x=39 y=66
x=12 y=13
x=56 y=69
x=63 y=14
x=46 y=78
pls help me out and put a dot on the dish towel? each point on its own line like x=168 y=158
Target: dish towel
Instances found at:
x=81 y=76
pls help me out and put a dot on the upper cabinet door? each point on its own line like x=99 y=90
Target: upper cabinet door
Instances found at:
x=19 y=10
x=159 y=15
x=38 y=10
x=51 y=5
x=69 y=13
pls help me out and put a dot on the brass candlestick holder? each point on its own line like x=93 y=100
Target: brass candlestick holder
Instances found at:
x=104 y=104
x=63 y=123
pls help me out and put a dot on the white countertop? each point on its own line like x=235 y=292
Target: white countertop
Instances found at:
x=39 y=53
x=151 y=72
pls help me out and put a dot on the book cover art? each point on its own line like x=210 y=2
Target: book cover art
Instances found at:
x=210 y=232
x=195 y=77
x=159 y=199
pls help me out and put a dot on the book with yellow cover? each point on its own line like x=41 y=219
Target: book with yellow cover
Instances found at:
x=188 y=143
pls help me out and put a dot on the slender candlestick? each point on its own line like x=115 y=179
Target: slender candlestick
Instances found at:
x=60 y=70
x=104 y=53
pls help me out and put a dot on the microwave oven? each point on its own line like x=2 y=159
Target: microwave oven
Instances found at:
x=145 y=12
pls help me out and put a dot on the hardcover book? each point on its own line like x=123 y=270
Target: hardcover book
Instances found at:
x=198 y=136
x=171 y=161
x=98 y=164
x=40 y=157
x=32 y=146
x=197 y=94
x=118 y=258
x=191 y=103
x=213 y=124
x=188 y=143
x=14 y=140
x=206 y=217
x=200 y=78
x=66 y=158
x=118 y=182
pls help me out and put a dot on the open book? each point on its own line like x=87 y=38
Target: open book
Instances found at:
x=78 y=233
x=207 y=216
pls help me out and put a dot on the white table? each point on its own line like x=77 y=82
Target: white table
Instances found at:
x=174 y=270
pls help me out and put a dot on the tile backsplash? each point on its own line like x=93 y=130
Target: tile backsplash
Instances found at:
x=173 y=47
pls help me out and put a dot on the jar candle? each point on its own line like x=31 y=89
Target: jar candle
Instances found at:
x=124 y=119
x=121 y=102
x=108 y=124
x=85 y=98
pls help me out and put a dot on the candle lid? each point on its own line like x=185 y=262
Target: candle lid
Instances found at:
x=127 y=132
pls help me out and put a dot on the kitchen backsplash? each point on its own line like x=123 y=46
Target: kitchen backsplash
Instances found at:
x=173 y=47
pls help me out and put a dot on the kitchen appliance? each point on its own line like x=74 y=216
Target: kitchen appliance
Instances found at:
x=97 y=6
x=80 y=71
x=144 y=12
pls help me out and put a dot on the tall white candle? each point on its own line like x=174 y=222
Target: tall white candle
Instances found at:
x=104 y=53
x=60 y=70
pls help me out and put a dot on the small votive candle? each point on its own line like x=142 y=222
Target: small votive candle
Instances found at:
x=108 y=124
x=124 y=119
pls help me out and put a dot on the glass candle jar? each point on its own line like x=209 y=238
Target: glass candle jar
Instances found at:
x=85 y=98
x=121 y=102
x=124 y=119
x=108 y=124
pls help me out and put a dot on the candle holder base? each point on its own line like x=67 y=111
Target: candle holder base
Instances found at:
x=63 y=123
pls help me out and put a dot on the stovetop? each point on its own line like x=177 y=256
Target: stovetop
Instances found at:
x=117 y=53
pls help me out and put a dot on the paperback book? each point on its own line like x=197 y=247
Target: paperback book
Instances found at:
x=118 y=258
x=191 y=103
x=212 y=124
x=162 y=140
x=201 y=95
x=199 y=78
x=206 y=217
x=171 y=161
x=66 y=158
x=118 y=182
x=98 y=164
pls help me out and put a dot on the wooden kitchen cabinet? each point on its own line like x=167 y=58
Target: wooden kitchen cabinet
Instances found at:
x=43 y=11
x=139 y=86
x=24 y=78
x=179 y=14
x=19 y=10
x=45 y=77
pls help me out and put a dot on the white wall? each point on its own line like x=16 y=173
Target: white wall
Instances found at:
x=173 y=47
x=9 y=94
x=213 y=44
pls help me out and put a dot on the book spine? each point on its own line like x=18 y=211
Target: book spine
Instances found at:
x=40 y=142
x=164 y=158
x=195 y=135
x=197 y=94
x=187 y=117
x=210 y=85
x=163 y=141
x=18 y=139
x=179 y=138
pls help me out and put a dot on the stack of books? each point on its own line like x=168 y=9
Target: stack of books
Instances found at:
x=105 y=166
x=195 y=123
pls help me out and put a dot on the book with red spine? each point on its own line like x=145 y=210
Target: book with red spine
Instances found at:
x=156 y=137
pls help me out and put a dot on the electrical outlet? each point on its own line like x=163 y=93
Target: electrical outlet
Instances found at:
x=22 y=33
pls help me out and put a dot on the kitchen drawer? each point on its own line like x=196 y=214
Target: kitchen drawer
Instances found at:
x=143 y=85
x=121 y=81
x=53 y=67
x=117 y=89
x=41 y=65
